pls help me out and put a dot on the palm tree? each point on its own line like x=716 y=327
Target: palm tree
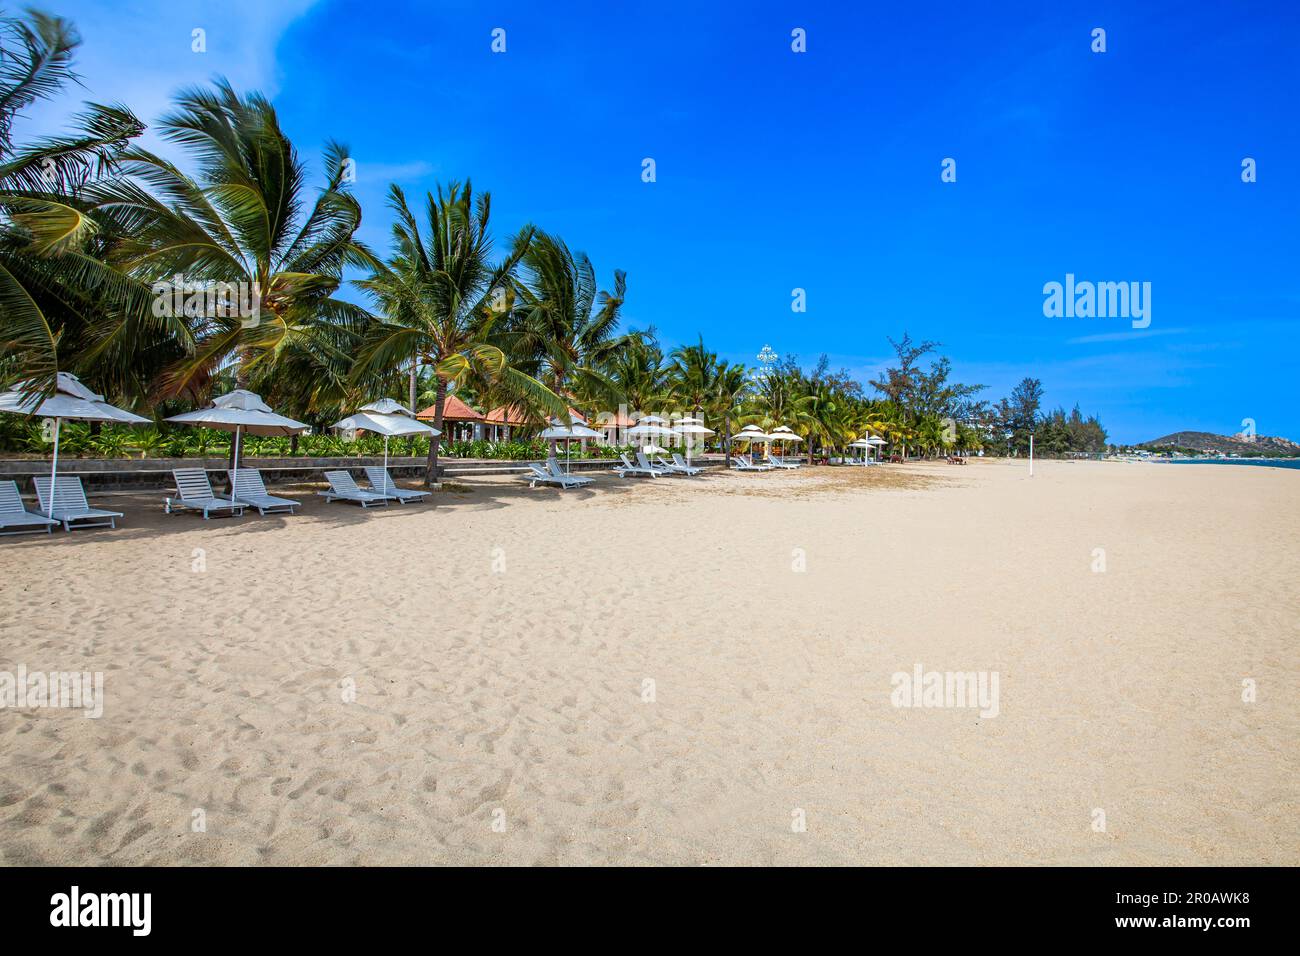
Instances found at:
x=240 y=222
x=693 y=375
x=53 y=282
x=442 y=298
x=563 y=325
x=730 y=385
x=637 y=371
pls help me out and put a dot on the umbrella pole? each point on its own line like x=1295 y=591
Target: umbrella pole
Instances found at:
x=54 y=468
x=385 y=461
x=235 y=472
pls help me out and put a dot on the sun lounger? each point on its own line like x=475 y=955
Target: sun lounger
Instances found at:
x=776 y=462
x=14 y=515
x=249 y=489
x=555 y=471
x=537 y=474
x=681 y=463
x=382 y=483
x=70 y=504
x=195 y=493
x=643 y=462
x=677 y=466
x=627 y=468
x=343 y=487
x=741 y=463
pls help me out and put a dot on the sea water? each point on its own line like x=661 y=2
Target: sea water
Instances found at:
x=1264 y=462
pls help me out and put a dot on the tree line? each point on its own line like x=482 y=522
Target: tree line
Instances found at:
x=161 y=284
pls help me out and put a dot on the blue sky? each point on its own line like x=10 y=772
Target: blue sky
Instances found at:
x=821 y=170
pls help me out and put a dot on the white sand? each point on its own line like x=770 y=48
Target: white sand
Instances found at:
x=518 y=696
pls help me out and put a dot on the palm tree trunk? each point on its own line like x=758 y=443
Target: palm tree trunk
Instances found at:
x=412 y=389
x=726 y=439
x=439 y=402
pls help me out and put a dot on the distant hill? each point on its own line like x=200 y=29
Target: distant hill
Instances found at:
x=1210 y=444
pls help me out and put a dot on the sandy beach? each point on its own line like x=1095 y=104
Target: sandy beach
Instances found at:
x=673 y=672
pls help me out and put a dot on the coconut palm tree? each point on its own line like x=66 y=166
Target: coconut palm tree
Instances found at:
x=637 y=371
x=731 y=384
x=693 y=376
x=53 y=281
x=442 y=297
x=239 y=221
x=563 y=325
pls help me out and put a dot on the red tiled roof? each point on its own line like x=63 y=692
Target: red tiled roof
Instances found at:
x=505 y=415
x=453 y=410
x=514 y=415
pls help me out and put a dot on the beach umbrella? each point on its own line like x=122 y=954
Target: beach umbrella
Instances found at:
x=388 y=418
x=871 y=441
x=649 y=428
x=241 y=411
x=649 y=431
x=690 y=426
x=71 y=400
x=783 y=433
x=558 y=431
x=750 y=433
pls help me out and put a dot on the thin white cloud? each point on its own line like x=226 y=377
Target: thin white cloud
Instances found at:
x=393 y=172
x=1126 y=336
x=140 y=52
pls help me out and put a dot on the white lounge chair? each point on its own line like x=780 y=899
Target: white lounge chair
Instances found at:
x=627 y=468
x=537 y=474
x=644 y=462
x=741 y=463
x=555 y=471
x=14 y=515
x=382 y=482
x=680 y=463
x=196 y=494
x=776 y=462
x=70 y=504
x=674 y=468
x=249 y=489
x=343 y=487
